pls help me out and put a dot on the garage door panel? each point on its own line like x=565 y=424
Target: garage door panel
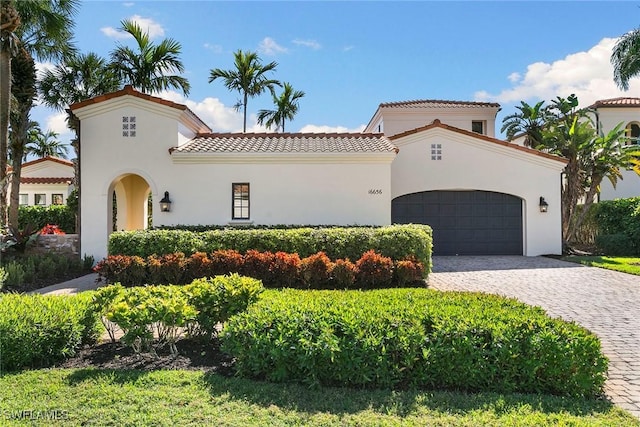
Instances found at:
x=465 y=222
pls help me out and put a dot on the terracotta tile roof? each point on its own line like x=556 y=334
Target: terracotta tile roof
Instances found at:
x=438 y=124
x=288 y=143
x=437 y=103
x=617 y=102
x=128 y=90
x=53 y=180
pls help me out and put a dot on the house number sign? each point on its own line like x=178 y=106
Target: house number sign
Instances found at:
x=375 y=191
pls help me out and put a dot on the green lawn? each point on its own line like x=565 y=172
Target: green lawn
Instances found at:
x=91 y=397
x=623 y=264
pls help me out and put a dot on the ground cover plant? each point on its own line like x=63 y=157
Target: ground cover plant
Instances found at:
x=23 y=273
x=413 y=337
x=396 y=242
x=623 y=264
x=195 y=398
x=275 y=270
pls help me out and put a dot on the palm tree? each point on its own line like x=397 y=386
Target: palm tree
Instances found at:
x=43 y=144
x=76 y=79
x=9 y=23
x=529 y=120
x=248 y=78
x=626 y=58
x=149 y=70
x=286 y=108
x=45 y=33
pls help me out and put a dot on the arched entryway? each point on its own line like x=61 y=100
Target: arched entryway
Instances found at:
x=465 y=222
x=129 y=206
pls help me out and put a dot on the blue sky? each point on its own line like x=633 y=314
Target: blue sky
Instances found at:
x=351 y=56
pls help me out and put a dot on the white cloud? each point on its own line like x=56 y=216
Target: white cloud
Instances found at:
x=268 y=46
x=147 y=25
x=215 y=48
x=128 y=4
x=330 y=129
x=348 y=48
x=212 y=111
x=588 y=74
x=312 y=44
x=58 y=123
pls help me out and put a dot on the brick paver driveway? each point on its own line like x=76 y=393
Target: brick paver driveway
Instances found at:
x=606 y=302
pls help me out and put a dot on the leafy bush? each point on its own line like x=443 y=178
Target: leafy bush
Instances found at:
x=396 y=242
x=413 y=337
x=616 y=226
x=316 y=271
x=408 y=272
x=374 y=271
x=28 y=271
x=39 y=330
x=163 y=311
x=39 y=216
x=127 y=270
x=217 y=299
x=226 y=261
x=343 y=273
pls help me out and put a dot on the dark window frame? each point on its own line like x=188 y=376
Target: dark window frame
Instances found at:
x=53 y=199
x=37 y=196
x=481 y=123
x=238 y=215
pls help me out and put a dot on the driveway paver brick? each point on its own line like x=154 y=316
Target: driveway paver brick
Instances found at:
x=605 y=302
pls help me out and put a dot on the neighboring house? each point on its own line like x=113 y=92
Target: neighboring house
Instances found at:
x=418 y=161
x=608 y=114
x=44 y=182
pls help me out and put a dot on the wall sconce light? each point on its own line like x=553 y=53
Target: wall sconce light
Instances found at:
x=165 y=203
x=544 y=206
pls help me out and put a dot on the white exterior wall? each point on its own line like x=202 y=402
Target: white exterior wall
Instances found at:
x=629 y=186
x=472 y=164
x=106 y=155
x=393 y=121
x=281 y=193
x=307 y=189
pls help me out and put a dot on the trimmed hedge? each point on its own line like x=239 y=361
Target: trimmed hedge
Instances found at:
x=277 y=270
x=413 y=337
x=396 y=242
x=61 y=215
x=39 y=330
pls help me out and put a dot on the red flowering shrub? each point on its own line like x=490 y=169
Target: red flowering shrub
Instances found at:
x=285 y=269
x=128 y=270
x=409 y=272
x=374 y=271
x=168 y=269
x=226 y=261
x=343 y=274
x=258 y=265
x=315 y=271
x=51 y=229
x=199 y=265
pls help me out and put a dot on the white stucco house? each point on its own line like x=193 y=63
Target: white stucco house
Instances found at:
x=608 y=114
x=46 y=181
x=434 y=162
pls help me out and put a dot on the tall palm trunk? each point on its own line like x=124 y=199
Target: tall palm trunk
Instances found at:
x=9 y=22
x=24 y=91
x=5 y=105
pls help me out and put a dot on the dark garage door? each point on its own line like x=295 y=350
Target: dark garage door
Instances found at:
x=465 y=222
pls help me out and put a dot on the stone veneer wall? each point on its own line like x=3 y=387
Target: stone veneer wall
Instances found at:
x=66 y=244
